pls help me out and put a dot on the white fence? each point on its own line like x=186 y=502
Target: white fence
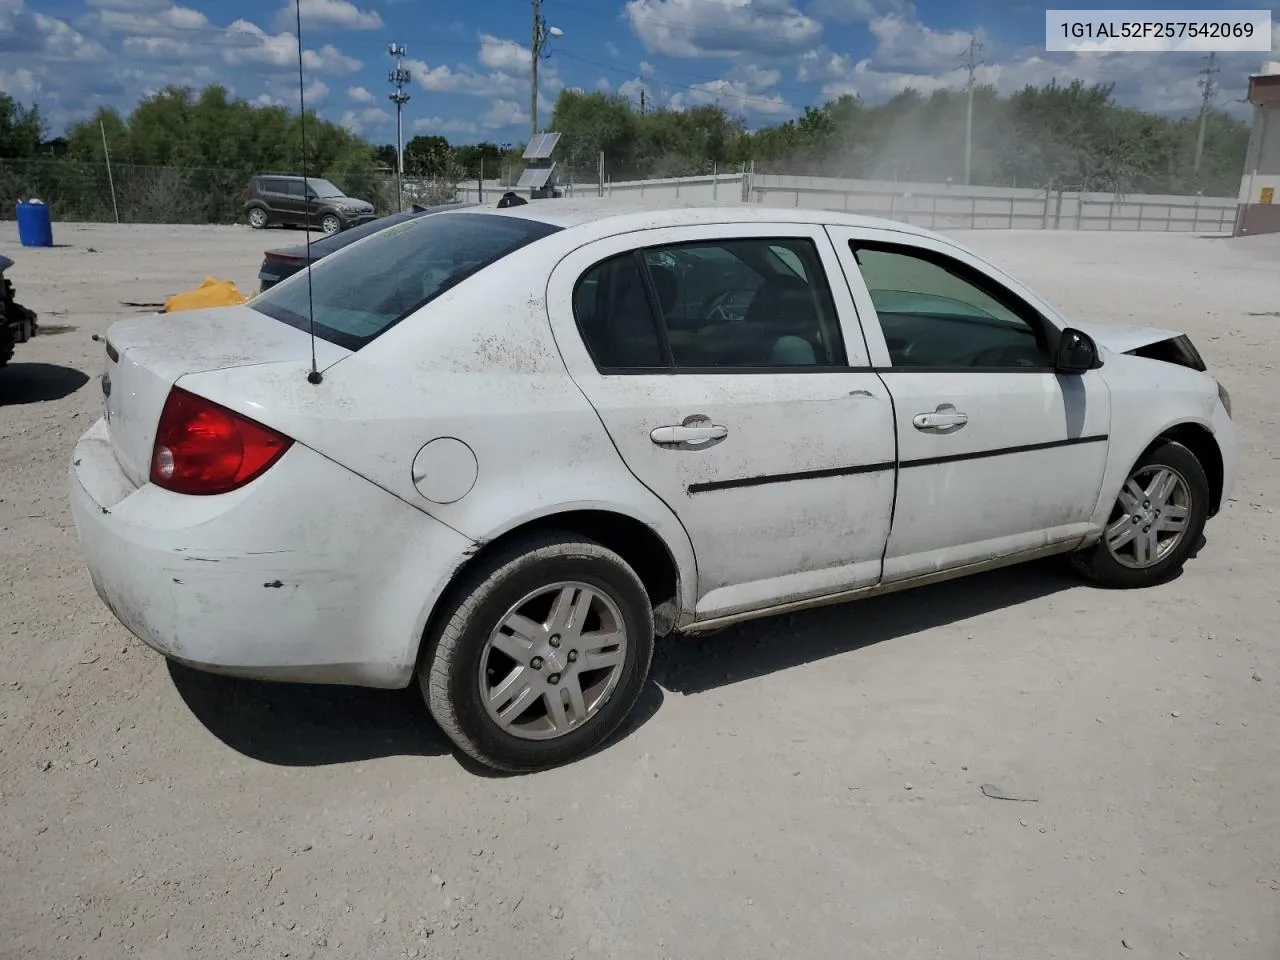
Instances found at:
x=932 y=205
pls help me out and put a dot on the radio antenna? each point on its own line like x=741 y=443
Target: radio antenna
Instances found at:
x=313 y=376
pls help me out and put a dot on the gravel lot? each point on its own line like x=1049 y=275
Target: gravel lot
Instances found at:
x=807 y=787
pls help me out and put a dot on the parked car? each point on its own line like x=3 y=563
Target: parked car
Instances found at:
x=544 y=435
x=279 y=264
x=299 y=202
x=17 y=323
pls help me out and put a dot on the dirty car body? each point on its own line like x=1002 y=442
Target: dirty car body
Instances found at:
x=546 y=434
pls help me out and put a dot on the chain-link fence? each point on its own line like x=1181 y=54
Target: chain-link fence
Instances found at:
x=76 y=190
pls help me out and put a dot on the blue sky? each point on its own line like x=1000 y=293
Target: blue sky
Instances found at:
x=762 y=59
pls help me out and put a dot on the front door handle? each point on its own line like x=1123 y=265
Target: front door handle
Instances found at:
x=688 y=436
x=946 y=417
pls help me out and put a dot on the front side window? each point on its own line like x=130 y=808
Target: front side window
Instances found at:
x=935 y=312
x=748 y=303
x=294 y=188
x=362 y=291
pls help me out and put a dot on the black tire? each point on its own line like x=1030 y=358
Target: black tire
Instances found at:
x=259 y=219
x=331 y=224
x=449 y=668
x=1097 y=564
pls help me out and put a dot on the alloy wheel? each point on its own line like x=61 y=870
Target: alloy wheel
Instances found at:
x=1150 y=518
x=553 y=661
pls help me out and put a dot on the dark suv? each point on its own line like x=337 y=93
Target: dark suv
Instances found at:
x=291 y=201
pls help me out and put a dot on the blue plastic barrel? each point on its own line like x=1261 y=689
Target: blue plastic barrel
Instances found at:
x=35 y=226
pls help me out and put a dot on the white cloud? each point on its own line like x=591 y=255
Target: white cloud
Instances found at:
x=328 y=13
x=700 y=28
x=646 y=68
x=21 y=84
x=611 y=49
x=329 y=59
x=855 y=11
x=438 y=125
x=503 y=113
x=143 y=5
x=360 y=95
x=445 y=79
x=734 y=96
x=315 y=93
x=905 y=42
x=504 y=55
x=757 y=77
x=358 y=122
x=603 y=85
x=631 y=88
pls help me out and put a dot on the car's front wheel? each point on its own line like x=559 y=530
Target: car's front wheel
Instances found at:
x=1155 y=523
x=330 y=224
x=540 y=654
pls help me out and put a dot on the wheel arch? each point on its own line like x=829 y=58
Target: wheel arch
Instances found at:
x=639 y=543
x=1203 y=445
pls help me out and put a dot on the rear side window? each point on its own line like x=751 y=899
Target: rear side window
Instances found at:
x=273 y=186
x=750 y=304
x=359 y=293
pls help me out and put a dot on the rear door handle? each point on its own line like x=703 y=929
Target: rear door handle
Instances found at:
x=691 y=436
x=945 y=417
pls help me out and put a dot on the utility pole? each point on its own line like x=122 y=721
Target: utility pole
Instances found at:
x=642 y=103
x=972 y=65
x=538 y=47
x=1206 y=85
x=398 y=77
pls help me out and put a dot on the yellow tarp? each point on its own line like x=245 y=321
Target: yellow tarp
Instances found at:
x=210 y=293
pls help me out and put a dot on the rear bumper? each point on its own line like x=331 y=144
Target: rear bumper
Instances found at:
x=309 y=574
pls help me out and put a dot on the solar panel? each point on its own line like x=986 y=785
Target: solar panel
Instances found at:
x=535 y=178
x=541 y=146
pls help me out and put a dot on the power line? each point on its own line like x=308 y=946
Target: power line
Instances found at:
x=1206 y=102
x=971 y=66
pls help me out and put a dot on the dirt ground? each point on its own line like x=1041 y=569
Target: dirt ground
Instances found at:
x=807 y=787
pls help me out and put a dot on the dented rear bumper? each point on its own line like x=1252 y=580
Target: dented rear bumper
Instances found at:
x=308 y=574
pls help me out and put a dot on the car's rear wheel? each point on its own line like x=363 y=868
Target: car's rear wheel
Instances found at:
x=539 y=654
x=1155 y=523
x=258 y=218
x=330 y=224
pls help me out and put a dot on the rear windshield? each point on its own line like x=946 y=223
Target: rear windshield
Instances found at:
x=359 y=293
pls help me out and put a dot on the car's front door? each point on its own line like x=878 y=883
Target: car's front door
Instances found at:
x=717 y=361
x=998 y=454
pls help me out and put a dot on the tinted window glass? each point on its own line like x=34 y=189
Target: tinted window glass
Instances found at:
x=935 y=314
x=294 y=188
x=612 y=310
x=743 y=303
x=273 y=186
x=362 y=291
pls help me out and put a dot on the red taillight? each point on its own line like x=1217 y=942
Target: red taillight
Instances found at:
x=283 y=257
x=202 y=448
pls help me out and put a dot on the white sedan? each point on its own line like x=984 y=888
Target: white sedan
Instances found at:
x=499 y=451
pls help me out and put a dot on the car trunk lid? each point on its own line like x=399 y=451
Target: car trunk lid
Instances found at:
x=146 y=356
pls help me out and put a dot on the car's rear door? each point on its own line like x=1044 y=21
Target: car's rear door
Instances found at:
x=998 y=454
x=732 y=378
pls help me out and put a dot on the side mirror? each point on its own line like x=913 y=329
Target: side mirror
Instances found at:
x=1077 y=353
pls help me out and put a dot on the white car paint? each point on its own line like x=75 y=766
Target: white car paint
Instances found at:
x=361 y=556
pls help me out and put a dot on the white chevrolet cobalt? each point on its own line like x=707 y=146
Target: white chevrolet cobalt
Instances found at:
x=535 y=438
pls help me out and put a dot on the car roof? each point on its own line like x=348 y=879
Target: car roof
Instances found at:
x=632 y=213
